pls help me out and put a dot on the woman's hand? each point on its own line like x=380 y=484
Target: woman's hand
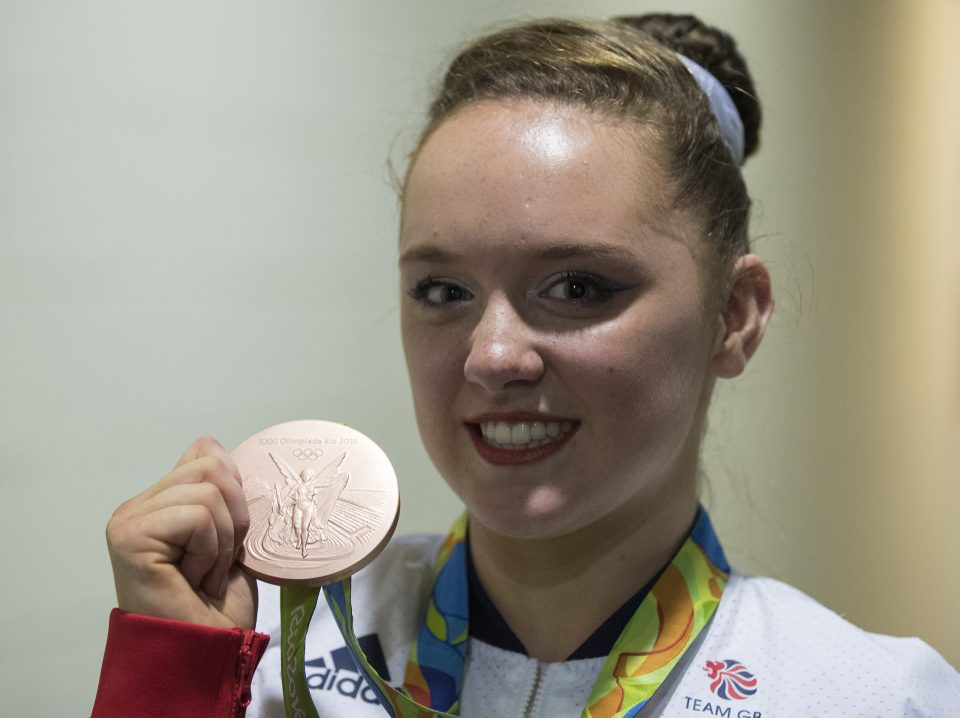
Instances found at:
x=173 y=546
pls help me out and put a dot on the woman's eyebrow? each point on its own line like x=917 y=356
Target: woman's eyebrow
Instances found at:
x=429 y=253
x=577 y=249
x=426 y=253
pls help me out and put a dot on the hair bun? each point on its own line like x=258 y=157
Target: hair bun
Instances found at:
x=717 y=52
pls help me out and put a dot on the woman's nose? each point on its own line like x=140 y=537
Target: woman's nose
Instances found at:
x=502 y=349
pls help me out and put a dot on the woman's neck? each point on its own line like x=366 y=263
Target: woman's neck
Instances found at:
x=554 y=593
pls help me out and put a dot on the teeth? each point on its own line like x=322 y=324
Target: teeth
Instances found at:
x=520 y=433
x=523 y=434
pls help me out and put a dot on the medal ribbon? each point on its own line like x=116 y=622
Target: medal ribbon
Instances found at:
x=664 y=626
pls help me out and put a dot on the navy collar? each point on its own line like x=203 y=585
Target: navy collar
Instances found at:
x=487 y=625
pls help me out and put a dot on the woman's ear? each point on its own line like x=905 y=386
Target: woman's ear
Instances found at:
x=743 y=317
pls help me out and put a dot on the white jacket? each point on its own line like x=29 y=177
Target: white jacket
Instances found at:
x=807 y=660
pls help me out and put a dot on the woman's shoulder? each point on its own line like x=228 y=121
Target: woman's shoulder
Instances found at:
x=410 y=554
x=806 y=654
x=405 y=567
x=788 y=617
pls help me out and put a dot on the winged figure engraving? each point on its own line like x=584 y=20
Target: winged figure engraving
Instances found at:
x=302 y=506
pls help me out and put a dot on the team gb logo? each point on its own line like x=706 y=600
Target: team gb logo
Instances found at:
x=730 y=679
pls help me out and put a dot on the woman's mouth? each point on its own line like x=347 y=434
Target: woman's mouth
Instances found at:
x=509 y=441
x=523 y=434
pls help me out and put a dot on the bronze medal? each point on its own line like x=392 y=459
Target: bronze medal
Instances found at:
x=323 y=502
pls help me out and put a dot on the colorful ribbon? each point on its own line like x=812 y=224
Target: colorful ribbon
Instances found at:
x=664 y=626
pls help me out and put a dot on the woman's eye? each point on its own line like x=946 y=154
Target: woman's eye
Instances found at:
x=574 y=289
x=436 y=292
x=580 y=287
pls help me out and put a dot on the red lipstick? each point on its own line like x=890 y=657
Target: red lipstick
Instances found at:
x=512 y=457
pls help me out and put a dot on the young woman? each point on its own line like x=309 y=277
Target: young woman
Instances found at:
x=576 y=276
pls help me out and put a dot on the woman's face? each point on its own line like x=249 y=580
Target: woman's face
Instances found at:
x=554 y=321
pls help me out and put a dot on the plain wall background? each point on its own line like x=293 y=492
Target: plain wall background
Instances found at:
x=197 y=236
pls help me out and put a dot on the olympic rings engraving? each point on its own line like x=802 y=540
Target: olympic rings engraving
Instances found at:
x=307 y=454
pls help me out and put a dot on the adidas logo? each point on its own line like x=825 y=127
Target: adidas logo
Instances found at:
x=340 y=674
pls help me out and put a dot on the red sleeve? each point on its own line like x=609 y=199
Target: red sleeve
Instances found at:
x=155 y=667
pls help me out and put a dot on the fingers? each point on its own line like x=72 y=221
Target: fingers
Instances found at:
x=192 y=528
x=216 y=470
x=196 y=517
x=173 y=547
x=208 y=446
x=208 y=546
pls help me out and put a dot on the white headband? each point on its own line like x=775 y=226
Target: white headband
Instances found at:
x=731 y=126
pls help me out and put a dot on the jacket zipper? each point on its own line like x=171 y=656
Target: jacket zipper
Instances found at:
x=245 y=668
x=534 y=692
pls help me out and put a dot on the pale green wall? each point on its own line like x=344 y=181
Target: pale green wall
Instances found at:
x=197 y=236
